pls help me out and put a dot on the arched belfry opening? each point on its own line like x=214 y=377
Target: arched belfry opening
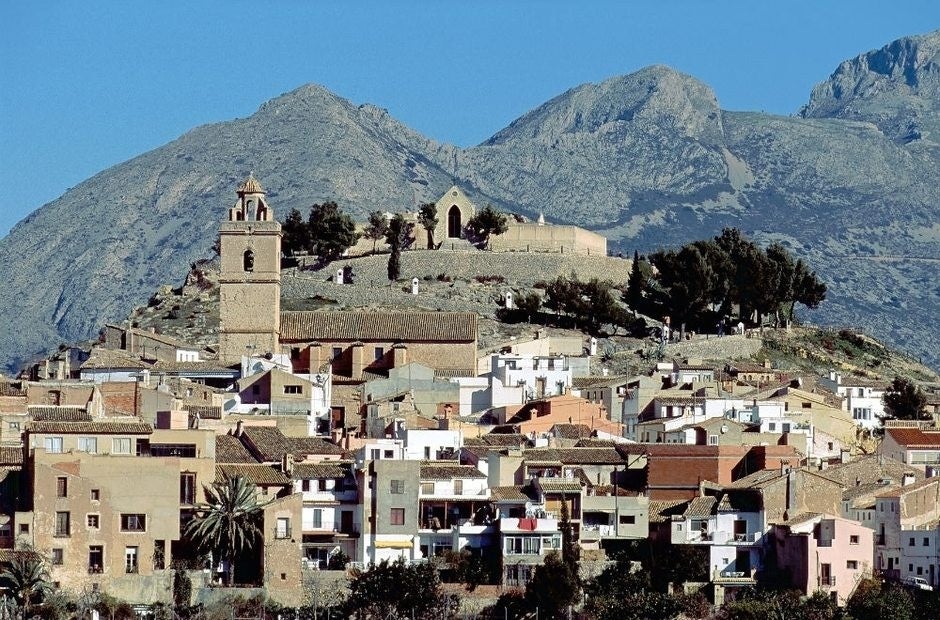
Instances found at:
x=262 y=212
x=454 y=224
x=248 y=261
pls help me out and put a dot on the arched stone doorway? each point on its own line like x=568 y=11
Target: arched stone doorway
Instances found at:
x=454 y=224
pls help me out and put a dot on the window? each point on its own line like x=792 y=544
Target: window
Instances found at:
x=121 y=445
x=321 y=484
x=806 y=405
x=61 y=486
x=53 y=445
x=248 y=261
x=786 y=427
x=95 y=495
x=305 y=486
x=397 y=486
x=910 y=542
x=853 y=539
x=293 y=389
x=772 y=426
x=861 y=413
x=337 y=352
x=388 y=454
x=62 y=524
x=522 y=545
x=427 y=488
x=187 y=488
x=282 y=528
x=159 y=554
x=88 y=444
x=317 y=518
x=397 y=516
x=375 y=454
x=379 y=354
x=926 y=541
x=458 y=487
x=130 y=559
x=24 y=528
x=93 y=521
x=627 y=519
x=851 y=564
x=58 y=556
x=95 y=559
x=713 y=440
x=133 y=523
x=14 y=426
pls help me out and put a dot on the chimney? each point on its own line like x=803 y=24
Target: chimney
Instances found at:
x=239 y=428
x=357 y=360
x=844 y=455
x=287 y=463
x=399 y=355
x=907 y=478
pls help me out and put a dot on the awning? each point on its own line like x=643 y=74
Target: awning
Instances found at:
x=394 y=544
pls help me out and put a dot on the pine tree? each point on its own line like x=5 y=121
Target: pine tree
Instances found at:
x=295 y=234
x=427 y=217
x=636 y=284
x=332 y=232
x=377 y=228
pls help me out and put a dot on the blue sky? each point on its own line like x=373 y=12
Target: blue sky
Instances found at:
x=88 y=85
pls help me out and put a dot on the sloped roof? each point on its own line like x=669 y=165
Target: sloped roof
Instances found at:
x=229 y=449
x=269 y=443
x=101 y=359
x=661 y=511
x=51 y=413
x=701 y=507
x=385 y=326
x=562 y=485
x=11 y=455
x=513 y=494
x=508 y=440
x=575 y=456
x=571 y=431
x=302 y=446
x=871 y=469
x=8 y=388
x=327 y=469
x=255 y=474
x=91 y=428
x=448 y=471
x=914 y=437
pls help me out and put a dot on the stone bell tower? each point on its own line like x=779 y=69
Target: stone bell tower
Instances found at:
x=250 y=276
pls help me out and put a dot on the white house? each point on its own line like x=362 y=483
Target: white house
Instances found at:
x=861 y=397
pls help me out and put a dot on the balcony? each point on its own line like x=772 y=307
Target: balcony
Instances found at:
x=731 y=577
x=95 y=569
x=131 y=569
x=514 y=525
x=596 y=532
x=827 y=581
x=281 y=532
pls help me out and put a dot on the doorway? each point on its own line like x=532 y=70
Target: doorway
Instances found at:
x=454 y=224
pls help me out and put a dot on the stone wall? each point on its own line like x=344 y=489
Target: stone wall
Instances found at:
x=533 y=237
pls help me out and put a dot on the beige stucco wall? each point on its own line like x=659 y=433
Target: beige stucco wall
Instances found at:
x=530 y=236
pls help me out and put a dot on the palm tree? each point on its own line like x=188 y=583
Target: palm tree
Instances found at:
x=227 y=523
x=27 y=578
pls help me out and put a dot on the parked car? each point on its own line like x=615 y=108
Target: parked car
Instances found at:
x=918 y=582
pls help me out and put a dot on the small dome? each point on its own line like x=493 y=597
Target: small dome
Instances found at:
x=250 y=185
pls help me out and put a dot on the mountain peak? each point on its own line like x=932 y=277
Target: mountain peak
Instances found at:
x=889 y=87
x=656 y=94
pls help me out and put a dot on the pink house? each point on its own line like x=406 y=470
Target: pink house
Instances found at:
x=823 y=552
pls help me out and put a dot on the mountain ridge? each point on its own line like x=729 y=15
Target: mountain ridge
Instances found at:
x=648 y=158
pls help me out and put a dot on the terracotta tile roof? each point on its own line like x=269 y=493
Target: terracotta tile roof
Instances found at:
x=701 y=507
x=206 y=412
x=8 y=388
x=914 y=437
x=111 y=427
x=662 y=511
x=454 y=373
x=685 y=366
x=870 y=469
x=168 y=340
x=680 y=400
x=513 y=494
x=303 y=446
x=267 y=443
x=11 y=455
x=207 y=366
x=506 y=440
x=448 y=471
x=571 y=431
x=596 y=443
x=863 y=490
x=757 y=480
x=587 y=382
x=900 y=491
x=555 y=485
x=229 y=449
x=255 y=474
x=103 y=359
x=49 y=413
x=384 y=326
x=575 y=456
x=327 y=469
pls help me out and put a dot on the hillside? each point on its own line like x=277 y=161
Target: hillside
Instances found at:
x=648 y=159
x=475 y=281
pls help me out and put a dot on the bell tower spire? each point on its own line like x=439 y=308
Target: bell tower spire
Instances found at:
x=250 y=276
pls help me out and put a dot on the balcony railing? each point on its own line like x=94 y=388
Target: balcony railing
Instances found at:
x=131 y=569
x=94 y=569
x=827 y=582
x=282 y=532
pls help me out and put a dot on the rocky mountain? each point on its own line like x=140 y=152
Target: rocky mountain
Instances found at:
x=648 y=159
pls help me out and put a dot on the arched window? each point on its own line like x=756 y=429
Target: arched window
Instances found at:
x=262 y=212
x=453 y=222
x=248 y=260
x=239 y=216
